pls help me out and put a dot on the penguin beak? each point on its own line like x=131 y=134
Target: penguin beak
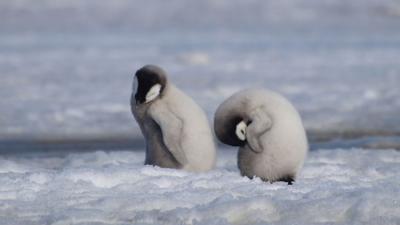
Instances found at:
x=137 y=102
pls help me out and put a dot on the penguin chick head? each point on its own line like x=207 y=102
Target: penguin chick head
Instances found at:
x=148 y=84
x=232 y=131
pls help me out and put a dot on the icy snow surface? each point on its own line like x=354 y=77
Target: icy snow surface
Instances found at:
x=335 y=187
x=66 y=68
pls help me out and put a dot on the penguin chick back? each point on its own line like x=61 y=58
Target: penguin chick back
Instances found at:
x=276 y=144
x=186 y=129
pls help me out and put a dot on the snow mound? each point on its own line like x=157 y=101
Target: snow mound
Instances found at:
x=345 y=186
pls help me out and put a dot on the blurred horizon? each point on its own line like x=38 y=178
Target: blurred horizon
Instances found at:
x=131 y=16
x=66 y=66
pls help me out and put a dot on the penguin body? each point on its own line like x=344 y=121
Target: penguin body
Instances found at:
x=269 y=132
x=175 y=128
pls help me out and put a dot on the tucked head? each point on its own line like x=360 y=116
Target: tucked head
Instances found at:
x=148 y=84
x=231 y=129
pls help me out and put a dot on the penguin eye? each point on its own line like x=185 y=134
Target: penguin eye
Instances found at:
x=153 y=92
x=241 y=130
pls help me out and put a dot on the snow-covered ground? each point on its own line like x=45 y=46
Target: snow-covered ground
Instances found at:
x=66 y=68
x=340 y=186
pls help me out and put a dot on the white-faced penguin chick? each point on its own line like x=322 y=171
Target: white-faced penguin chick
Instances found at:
x=176 y=129
x=269 y=131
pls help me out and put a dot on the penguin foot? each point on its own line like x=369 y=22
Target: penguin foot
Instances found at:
x=289 y=179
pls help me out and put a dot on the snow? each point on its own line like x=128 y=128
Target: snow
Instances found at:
x=336 y=186
x=66 y=69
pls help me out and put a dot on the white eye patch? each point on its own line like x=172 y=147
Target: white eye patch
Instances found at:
x=241 y=130
x=153 y=93
x=134 y=85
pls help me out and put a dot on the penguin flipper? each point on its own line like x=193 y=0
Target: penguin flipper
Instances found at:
x=260 y=124
x=172 y=131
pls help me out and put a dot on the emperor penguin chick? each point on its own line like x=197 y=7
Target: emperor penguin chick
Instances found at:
x=269 y=132
x=176 y=129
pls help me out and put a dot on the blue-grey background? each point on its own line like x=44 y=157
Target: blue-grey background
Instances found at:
x=66 y=66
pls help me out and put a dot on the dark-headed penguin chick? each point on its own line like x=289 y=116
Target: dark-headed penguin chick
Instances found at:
x=269 y=132
x=176 y=129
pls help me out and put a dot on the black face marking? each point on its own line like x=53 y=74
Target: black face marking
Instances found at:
x=227 y=132
x=231 y=137
x=147 y=77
